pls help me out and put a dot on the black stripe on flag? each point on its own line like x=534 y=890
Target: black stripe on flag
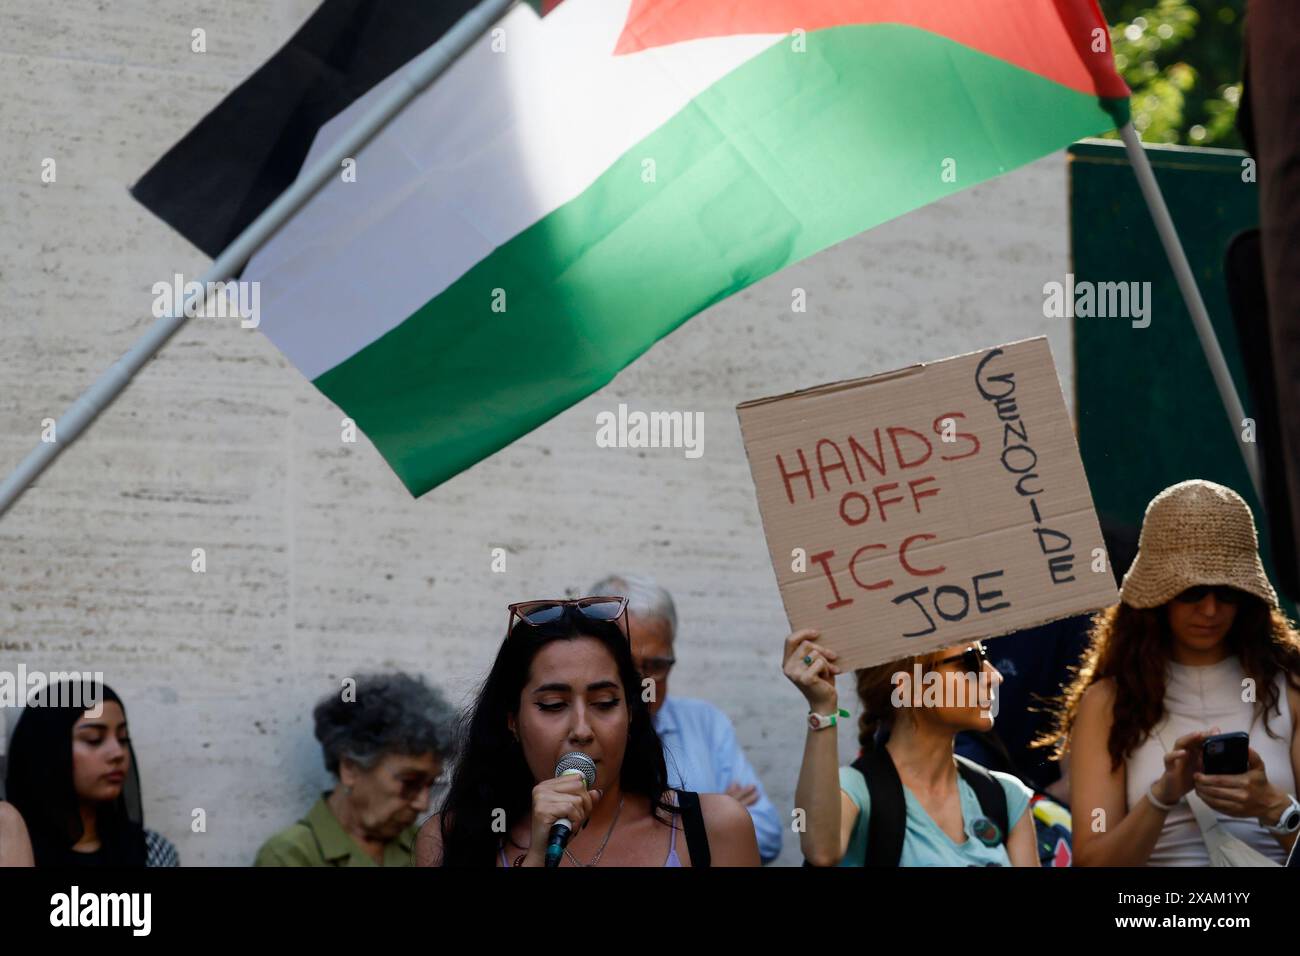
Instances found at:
x=242 y=155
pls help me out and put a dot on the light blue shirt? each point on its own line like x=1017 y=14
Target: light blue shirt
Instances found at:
x=924 y=842
x=703 y=755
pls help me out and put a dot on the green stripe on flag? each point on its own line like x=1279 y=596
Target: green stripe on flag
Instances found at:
x=786 y=155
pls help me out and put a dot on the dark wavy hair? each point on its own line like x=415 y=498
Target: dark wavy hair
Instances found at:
x=1132 y=645
x=491 y=772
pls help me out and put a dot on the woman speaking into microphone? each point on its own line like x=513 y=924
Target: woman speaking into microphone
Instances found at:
x=564 y=683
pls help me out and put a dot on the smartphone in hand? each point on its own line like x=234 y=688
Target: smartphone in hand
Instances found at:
x=1226 y=754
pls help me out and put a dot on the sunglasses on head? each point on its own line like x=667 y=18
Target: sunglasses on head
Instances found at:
x=972 y=658
x=1222 y=593
x=544 y=613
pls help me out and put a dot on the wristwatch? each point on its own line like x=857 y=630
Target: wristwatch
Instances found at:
x=822 y=721
x=1289 y=822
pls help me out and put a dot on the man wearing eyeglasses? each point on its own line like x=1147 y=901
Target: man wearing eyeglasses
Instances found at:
x=700 y=745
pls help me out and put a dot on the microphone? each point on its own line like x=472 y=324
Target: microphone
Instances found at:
x=574 y=762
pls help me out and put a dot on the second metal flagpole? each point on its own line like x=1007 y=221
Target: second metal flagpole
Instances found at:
x=1146 y=178
x=415 y=76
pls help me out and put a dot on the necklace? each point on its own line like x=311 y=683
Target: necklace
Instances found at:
x=600 y=852
x=596 y=859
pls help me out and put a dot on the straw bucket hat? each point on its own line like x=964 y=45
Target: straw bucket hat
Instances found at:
x=1195 y=532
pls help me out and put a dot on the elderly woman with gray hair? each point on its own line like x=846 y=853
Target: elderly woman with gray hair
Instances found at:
x=384 y=739
x=700 y=745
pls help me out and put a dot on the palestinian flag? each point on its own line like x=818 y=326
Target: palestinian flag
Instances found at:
x=213 y=183
x=578 y=185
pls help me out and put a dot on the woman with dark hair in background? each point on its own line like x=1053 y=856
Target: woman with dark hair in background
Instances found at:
x=384 y=740
x=1197 y=646
x=82 y=808
x=564 y=681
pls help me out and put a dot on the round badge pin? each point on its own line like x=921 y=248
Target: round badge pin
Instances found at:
x=986 y=831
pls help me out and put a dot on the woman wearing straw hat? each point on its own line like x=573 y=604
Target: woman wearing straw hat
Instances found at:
x=1196 y=647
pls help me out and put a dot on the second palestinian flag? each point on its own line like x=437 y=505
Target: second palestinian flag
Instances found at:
x=579 y=185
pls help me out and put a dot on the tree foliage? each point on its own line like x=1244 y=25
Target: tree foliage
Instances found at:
x=1182 y=60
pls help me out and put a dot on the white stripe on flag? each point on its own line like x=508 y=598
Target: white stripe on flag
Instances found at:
x=499 y=142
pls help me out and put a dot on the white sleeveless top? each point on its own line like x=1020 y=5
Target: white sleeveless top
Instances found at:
x=1197 y=698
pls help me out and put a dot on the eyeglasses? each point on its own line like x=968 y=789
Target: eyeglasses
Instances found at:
x=1222 y=594
x=656 y=668
x=410 y=787
x=972 y=658
x=543 y=613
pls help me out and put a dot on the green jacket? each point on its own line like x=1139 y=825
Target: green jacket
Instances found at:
x=318 y=840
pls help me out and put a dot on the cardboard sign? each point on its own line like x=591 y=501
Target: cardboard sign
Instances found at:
x=929 y=506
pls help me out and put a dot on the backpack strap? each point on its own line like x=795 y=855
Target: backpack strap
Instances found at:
x=697 y=837
x=992 y=798
x=887 y=825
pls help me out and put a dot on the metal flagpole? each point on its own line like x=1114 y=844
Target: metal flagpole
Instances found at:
x=1146 y=178
x=415 y=76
